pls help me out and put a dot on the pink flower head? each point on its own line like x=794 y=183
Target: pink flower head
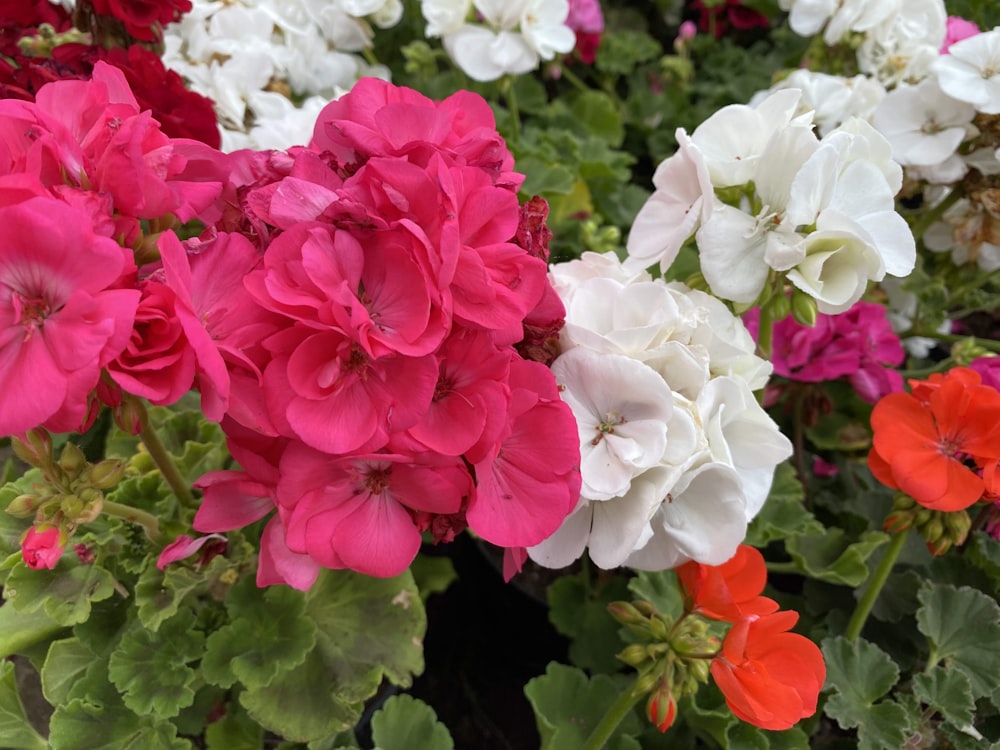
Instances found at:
x=586 y=19
x=529 y=480
x=376 y=118
x=988 y=369
x=858 y=344
x=60 y=319
x=357 y=512
x=42 y=549
x=957 y=30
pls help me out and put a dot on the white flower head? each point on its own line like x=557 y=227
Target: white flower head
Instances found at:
x=970 y=71
x=621 y=408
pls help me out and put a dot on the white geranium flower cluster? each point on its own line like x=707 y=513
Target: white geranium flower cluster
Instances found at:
x=676 y=454
x=252 y=56
x=508 y=36
x=766 y=199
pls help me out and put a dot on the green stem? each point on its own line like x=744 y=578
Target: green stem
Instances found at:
x=929 y=217
x=574 y=79
x=163 y=460
x=951 y=338
x=765 y=332
x=614 y=716
x=875 y=585
x=150 y=524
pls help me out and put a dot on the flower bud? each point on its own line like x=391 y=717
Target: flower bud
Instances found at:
x=804 y=308
x=662 y=708
x=779 y=307
x=658 y=628
x=933 y=531
x=106 y=475
x=898 y=521
x=647 y=682
x=72 y=460
x=37 y=450
x=957 y=526
x=92 y=504
x=23 y=506
x=634 y=655
x=699 y=669
x=626 y=613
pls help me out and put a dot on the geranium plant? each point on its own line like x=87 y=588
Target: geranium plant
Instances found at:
x=685 y=313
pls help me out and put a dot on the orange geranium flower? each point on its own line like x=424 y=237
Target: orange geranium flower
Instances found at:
x=933 y=443
x=770 y=678
x=728 y=591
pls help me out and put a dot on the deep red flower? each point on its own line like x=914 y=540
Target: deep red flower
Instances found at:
x=143 y=19
x=729 y=591
x=933 y=442
x=770 y=678
x=732 y=13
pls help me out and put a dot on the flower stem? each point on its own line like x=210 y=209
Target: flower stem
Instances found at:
x=929 y=217
x=879 y=577
x=150 y=524
x=765 y=332
x=612 y=718
x=163 y=460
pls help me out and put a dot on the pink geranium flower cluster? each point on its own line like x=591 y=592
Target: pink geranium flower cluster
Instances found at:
x=377 y=387
x=859 y=345
x=83 y=176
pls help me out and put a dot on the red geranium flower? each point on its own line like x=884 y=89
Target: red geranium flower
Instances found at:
x=729 y=591
x=770 y=678
x=932 y=443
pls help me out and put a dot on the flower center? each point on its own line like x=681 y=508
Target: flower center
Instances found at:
x=607 y=427
x=30 y=312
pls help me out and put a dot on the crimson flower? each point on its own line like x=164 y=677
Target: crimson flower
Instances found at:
x=770 y=678
x=729 y=591
x=932 y=443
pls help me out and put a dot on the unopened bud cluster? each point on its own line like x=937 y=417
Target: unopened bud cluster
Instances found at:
x=941 y=530
x=71 y=490
x=673 y=657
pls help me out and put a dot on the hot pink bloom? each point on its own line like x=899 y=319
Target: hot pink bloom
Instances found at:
x=42 y=549
x=60 y=323
x=357 y=512
x=957 y=30
x=988 y=369
x=858 y=344
x=586 y=19
x=529 y=481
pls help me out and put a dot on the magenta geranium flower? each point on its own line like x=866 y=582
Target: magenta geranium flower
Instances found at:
x=61 y=319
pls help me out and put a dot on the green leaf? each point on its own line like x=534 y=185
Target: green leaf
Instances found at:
x=984 y=552
x=599 y=114
x=433 y=575
x=568 y=706
x=65 y=663
x=150 y=669
x=661 y=589
x=963 y=626
x=582 y=615
x=831 y=556
x=267 y=634
x=22 y=630
x=948 y=691
x=95 y=718
x=784 y=514
x=405 y=722
x=16 y=732
x=860 y=673
x=368 y=629
x=65 y=592
x=621 y=51
x=234 y=731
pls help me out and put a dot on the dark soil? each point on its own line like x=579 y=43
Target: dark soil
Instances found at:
x=485 y=640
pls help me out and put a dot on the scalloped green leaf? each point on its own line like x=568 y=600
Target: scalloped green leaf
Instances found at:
x=96 y=718
x=159 y=593
x=963 y=626
x=150 y=668
x=661 y=589
x=568 y=706
x=405 y=722
x=784 y=514
x=368 y=629
x=581 y=613
x=948 y=691
x=260 y=641
x=16 y=732
x=65 y=592
x=599 y=114
x=833 y=557
x=234 y=731
x=860 y=673
x=66 y=662
x=984 y=552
